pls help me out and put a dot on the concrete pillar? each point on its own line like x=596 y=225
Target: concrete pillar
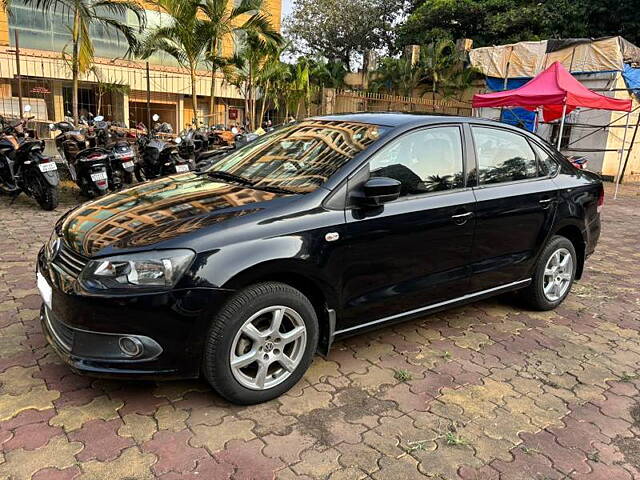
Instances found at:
x=180 y=116
x=58 y=100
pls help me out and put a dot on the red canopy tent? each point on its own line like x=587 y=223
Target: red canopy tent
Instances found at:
x=556 y=91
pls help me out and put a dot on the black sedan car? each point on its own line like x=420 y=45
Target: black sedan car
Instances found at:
x=322 y=229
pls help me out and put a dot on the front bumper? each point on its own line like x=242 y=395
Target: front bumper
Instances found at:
x=85 y=331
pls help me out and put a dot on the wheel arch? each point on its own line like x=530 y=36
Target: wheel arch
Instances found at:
x=573 y=233
x=296 y=274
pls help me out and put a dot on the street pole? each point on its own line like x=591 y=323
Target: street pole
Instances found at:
x=564 y=113
x=18 y=73
x=148 y=100
x=624 y=141
x=633 y=140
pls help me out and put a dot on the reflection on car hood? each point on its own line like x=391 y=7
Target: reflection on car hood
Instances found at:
x=157 y=211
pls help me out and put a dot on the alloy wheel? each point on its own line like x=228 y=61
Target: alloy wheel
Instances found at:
x=268 y=347
x=558 y=273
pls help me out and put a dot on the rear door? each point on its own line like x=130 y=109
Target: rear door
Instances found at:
x=515 y=209
x=414 y=251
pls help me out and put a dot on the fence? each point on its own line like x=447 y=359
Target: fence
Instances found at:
x=343 y=101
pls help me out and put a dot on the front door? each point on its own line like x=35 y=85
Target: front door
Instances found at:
x=516 y=205
x=411 y=252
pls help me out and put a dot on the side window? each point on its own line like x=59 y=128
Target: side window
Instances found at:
x=503 y=156
x=546 y=164
x=424 y=161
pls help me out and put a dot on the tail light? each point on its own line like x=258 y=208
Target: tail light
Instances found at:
x=96 y=156
x=601 y=198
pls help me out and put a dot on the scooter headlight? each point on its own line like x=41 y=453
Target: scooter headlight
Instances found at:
x=160 y=269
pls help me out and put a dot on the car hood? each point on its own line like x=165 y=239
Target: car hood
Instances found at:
x=158 y=211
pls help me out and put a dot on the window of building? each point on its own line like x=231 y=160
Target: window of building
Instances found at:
x=503 y=156
x=49 y=30
x=425 y=161
x=546 y=164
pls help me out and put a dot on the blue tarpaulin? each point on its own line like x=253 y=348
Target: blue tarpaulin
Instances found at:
x=632 y=78
x=518 y=116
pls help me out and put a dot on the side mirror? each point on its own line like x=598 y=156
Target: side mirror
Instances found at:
x=379 y=190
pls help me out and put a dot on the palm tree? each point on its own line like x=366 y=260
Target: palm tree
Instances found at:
x=396 y=75
x=437 y=61
x=247 y=64
x=223 y=22
x=82 y=16
x=105 y=87
x=269 y=76
x=330 y=74
x=186 y=39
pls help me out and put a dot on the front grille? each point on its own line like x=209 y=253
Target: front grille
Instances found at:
x=69 y=261
x=62 y=333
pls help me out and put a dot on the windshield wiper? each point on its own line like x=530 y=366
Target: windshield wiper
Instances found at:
x=269 y=188
x=226 y=176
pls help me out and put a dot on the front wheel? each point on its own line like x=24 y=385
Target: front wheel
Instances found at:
x=554 y=275
x=261 y=343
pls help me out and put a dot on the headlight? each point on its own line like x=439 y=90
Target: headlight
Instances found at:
x=52 y=246
x=155 y=269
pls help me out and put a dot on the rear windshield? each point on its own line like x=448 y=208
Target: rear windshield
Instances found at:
x=302 y=156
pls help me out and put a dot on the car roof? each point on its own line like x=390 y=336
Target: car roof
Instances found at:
x=391 y=119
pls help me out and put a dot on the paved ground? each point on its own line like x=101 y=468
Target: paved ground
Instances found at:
x=483 y=392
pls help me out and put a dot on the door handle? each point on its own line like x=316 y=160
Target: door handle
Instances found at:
x=545 y=202
x=461 y=218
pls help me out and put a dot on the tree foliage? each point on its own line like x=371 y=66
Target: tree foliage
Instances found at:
x=440 y=68
x=339 y=30
x=495 y=22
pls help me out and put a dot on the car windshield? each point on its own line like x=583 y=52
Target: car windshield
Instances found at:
x=300 y=157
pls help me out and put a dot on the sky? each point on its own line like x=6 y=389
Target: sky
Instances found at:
x=286 y=7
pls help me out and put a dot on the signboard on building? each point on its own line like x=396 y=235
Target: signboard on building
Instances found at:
x=233 y=114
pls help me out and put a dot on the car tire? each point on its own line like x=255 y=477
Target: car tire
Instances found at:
x=554 y=275
x=245 y=354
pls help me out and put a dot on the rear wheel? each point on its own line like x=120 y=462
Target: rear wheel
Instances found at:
x=46 y=194
x=261 y=343
x=554 y=275
x=139 y=173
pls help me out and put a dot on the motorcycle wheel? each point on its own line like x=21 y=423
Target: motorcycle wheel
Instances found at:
x=46 y=194
x=139 y=173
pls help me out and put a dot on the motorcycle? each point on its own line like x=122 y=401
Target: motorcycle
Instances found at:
x=24 y=168
x=121 y=156
x=156 y=157
x=196 y=145
x=88 y=165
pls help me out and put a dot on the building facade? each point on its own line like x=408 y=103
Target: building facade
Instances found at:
x=116 y=87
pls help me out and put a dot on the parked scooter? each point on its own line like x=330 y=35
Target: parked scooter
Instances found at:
x=157 y=157
x=87 y=165
x=121 y=156
x=196 y=145
x=24 y=168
